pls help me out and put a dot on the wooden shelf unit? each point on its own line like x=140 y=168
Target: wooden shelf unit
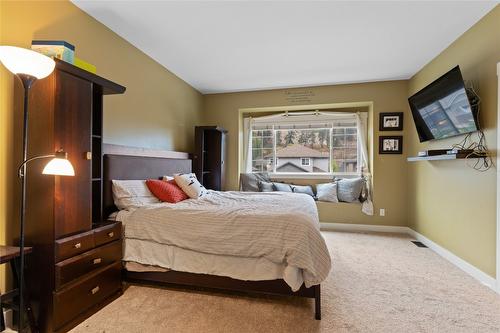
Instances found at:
x=64 y=223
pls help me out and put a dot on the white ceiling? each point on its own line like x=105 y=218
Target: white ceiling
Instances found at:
x=223 y=46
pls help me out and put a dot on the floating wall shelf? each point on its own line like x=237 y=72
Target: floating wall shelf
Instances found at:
x=442 y=157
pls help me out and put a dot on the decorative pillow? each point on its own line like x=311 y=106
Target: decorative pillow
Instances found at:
x=265 y=186
x=132 y=193
x=190 y=185
x=166 y=191
x=282 y=187
x=349 y=189
x=306 y=189
x=327 y=192
x=249 y=182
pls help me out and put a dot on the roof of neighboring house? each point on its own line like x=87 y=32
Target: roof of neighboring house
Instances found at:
x=290 y=167
x=298 y=151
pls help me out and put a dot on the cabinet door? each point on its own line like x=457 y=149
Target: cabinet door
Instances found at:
x=72 y=127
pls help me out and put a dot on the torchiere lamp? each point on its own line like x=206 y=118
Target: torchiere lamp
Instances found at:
x=29 y=66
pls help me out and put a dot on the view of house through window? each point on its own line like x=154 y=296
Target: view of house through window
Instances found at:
x=306 y=150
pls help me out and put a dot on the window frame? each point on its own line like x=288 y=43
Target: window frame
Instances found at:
x=313 y=175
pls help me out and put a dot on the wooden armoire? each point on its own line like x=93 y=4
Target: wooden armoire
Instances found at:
x=75 y=266
x=209 y=157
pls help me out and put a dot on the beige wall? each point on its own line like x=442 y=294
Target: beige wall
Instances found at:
x=389 y=170
x=158 y=109
x=450 y=203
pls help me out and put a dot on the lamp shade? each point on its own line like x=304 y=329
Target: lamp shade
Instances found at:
x=24 y=61
x=59 y=167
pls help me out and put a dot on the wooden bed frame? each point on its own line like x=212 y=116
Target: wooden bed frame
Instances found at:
x=126 y=167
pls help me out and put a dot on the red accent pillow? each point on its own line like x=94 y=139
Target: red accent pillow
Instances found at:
x=167 y=191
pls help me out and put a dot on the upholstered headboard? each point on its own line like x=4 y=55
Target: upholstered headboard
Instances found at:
x=123 y=167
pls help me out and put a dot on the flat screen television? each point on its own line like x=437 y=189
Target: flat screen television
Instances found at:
x=442 y=109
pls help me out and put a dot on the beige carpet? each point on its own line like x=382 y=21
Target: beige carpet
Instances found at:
x=379 y=283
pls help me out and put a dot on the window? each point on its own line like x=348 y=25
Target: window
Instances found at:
x=262 y=151
x=326 y=148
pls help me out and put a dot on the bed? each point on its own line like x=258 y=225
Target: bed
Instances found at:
x=229 y=246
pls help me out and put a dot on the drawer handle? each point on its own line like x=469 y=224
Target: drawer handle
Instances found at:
x=97 y=261
x=78 y=245
x=95 y=290
x=111 y=234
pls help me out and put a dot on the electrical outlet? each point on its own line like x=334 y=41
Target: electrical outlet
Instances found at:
x=382 y=211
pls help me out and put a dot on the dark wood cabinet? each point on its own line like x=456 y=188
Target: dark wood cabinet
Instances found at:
x=209 y=158
x=73 y=250
x=72 y=126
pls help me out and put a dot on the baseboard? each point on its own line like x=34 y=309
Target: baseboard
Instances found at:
x=363 y=228
x=473 y=271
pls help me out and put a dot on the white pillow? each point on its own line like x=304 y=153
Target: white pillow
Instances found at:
x=132 y=193
x=327 y=192
x=167 y=178
x=190 y=185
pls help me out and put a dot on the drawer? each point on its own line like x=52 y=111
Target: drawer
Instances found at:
x=85 y=293
x=107 y=233
x=73 y=245
x=74 y=267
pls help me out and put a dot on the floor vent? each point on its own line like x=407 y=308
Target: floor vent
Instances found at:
x=419 y=244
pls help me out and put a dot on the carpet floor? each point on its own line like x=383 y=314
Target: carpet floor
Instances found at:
x=378 y=283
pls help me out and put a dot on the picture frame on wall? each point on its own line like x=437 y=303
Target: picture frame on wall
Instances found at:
x=390 y=144
x=391 y=121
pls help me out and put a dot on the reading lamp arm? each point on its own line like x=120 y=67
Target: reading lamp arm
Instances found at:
x=20 y=170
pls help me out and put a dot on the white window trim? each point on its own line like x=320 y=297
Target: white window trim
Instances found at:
x=308 y=159
x=313 y=175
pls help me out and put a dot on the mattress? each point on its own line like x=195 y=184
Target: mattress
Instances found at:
x=243 y=235
x=146 y=256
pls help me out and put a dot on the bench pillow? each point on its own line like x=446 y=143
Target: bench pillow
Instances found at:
x=282 y=187
x=249 y=182
x=349 y=189
x=327 y=192
x=265 y=186
x=306 y=189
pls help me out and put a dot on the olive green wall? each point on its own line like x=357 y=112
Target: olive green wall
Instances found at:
x=158 y=110
x=389 y=181
x=450 y=203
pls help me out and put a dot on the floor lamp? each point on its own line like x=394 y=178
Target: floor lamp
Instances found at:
x=30 y=66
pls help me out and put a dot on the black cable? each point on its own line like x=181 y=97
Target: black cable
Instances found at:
x=480 y=152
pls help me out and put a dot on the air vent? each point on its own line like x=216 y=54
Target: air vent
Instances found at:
x=419 y=244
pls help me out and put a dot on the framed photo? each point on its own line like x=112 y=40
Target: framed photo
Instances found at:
x=391 y=121
x=390 y=144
